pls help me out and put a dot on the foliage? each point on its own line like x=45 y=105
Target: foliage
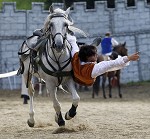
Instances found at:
x=26 y=4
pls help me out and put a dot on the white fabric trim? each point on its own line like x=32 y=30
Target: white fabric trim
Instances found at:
x=12 y=73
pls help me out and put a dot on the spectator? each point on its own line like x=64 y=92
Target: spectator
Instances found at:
x=107 y=44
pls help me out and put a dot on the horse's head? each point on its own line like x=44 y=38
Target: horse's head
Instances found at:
x=56 y=28
x=57 y=25
x=121 y=49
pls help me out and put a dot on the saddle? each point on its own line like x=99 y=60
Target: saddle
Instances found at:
x=38 y=32
x=113 y=56
x=33 y=48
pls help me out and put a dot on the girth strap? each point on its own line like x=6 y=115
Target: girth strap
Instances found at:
x=56 y=73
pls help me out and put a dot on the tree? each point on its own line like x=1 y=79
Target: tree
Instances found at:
x=49 y=2
x=69 y=3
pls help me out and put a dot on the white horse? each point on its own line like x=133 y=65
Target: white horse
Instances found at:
x=52 y=63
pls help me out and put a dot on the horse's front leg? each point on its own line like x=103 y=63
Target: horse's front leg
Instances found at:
x=96 y=87
x=75 y=97
x=58 y=117
x=103 y=84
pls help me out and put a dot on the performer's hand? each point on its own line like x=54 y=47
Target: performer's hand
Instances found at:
x=134 y=57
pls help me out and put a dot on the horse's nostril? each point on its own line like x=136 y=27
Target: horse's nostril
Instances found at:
x=59 y=48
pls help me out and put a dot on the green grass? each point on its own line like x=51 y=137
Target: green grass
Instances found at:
x=139 y=83
x=21 y=4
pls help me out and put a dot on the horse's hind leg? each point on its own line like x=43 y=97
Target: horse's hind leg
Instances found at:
x=30 y=121
x=110 y=87
x=72 y=112
x=96 y=87
x=118 y=83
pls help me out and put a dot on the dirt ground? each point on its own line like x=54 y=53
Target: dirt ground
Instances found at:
x=115 y=118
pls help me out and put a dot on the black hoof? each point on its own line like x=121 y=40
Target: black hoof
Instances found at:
x=67 y=117
x=25 y=101
x=26 y=98
x=61 y=123
x=59 y=119
x=120 y=95
x=71 y=113
x=105 y=97
x=30 y=124
x=93 y=96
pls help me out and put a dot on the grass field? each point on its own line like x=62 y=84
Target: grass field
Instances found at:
x=21 y=4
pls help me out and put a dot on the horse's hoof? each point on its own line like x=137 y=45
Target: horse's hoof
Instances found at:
x=25 y=101
x=30 y=124
x=105 y=97
x=69 y=116
x=93 y=96
x=110 y=96
x=120 y=95
x=59 y=120
x=61 y=123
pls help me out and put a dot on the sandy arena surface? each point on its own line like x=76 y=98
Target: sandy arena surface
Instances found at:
x=126 y=118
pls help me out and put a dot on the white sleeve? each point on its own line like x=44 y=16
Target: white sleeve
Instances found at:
x=73 y=41
x=114 y=42
x=106 y=66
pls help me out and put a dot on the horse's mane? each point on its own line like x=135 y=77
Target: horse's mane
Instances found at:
x=120 y=48
x=47 y=20
x=120 y=45
x=58 y=10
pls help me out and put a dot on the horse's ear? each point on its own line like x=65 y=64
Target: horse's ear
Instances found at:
x=124 y=44
x=67 y=11
x=51 y=9
x=68 y=15
x=96 y=41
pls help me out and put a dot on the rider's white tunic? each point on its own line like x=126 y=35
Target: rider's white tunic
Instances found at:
x=101 y=67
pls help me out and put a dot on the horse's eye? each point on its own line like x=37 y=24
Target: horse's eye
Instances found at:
x=51 y=25
x=65 y=25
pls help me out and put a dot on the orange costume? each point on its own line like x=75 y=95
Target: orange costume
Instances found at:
x=82 y=73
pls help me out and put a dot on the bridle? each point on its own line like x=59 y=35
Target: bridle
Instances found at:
x=50 y=36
